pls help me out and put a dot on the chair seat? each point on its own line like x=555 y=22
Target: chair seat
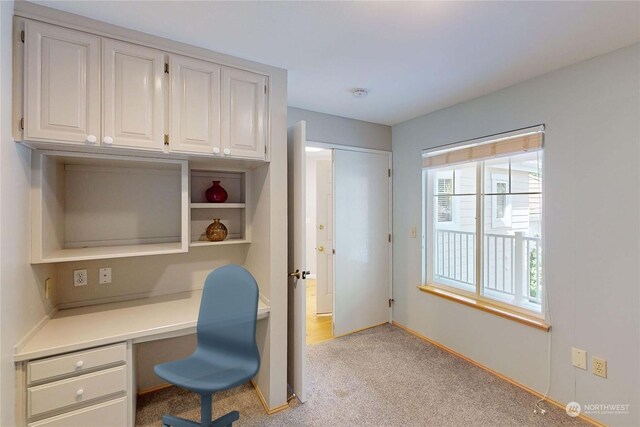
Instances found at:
x=202 y=374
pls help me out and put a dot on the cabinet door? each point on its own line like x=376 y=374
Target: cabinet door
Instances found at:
x=244 y=126
x=62 y=89
x=133 y=92
x=195 y=106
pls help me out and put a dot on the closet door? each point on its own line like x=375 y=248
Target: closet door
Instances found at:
x=62 y=89
x=195 y=106
x=244 y=127
x=133 y=92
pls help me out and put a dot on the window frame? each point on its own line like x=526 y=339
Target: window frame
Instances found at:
x=429 y=242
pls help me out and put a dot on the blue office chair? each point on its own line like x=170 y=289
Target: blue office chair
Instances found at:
x=226 y=354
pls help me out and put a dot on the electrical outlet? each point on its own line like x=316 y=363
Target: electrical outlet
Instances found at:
x=80 y=278
x=105 y=275
x=579 y=358
x=599 y=367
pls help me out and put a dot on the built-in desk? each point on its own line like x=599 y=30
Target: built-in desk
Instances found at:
x=72 y=341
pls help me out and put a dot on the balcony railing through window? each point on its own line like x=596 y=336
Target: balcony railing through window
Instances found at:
x=512 y=263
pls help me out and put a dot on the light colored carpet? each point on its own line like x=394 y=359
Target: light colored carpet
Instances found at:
x=383 y=377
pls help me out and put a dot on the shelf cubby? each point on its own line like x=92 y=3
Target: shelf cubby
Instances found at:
x=90 y=206
x=232 y=213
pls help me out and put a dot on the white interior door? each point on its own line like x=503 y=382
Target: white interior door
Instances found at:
x=297 y=325
x=361 y=240
x=324 y=236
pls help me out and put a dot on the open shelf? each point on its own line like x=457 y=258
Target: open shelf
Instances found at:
x=91 y=206
x=232 y=213
x=118 y=251
x=218 y=205
x=201 y=243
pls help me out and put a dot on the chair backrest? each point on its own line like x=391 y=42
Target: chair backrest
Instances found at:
x=228 y=312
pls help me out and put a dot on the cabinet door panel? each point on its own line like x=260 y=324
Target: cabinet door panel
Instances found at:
x=133 y=92
x=62 y=89
x=243 y=113
x=195 y=106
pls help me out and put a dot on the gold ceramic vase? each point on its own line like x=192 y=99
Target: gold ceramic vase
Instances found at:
x=216 y=231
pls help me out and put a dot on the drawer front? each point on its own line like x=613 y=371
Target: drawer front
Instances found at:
x=75 y=391
x=108 y=414
x=75 y=363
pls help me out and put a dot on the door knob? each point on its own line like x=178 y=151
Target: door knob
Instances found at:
x=91 y=139
x=216 y=150
x=107 y=140
x=227 y=151
x=320 y=248
x=300 y=275
x=295 y=274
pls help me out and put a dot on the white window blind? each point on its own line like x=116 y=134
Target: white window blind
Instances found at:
x=512 y=143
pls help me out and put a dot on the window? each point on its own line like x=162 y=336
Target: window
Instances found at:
x=491 y=248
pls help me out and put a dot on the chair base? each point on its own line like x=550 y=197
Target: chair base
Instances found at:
x=223 y=421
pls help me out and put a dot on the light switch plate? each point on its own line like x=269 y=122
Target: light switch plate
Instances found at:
x=579 y=358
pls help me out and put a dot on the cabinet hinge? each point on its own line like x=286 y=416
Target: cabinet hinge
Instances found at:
x=389 y=237
x=391 y=301
x=333 y=251
x=22 y=123
x=22 y=36
x=166 y=68
x=389 y=173
x=265 y=89
x=166 y=139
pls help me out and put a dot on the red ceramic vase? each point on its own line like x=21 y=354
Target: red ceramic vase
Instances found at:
x=216 y=194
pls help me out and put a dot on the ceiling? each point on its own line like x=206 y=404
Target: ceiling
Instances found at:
x=413 y=57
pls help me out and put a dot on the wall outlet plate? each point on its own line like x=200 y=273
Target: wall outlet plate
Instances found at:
x=599 y=367
x=104 y=275
x=80 y=278
x=579 y=358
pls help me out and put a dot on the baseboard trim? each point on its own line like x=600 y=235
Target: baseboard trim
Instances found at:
x=491 y=371
x=267 y=409
x=143 y=391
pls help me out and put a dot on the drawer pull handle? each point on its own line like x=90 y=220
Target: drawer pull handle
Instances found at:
x=80 y=392
x=107 y=140
x=79 y=364
x=216 y=150
x=227 y=151
x=91 y=139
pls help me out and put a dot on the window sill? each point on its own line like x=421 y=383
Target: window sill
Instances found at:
x=487 y=307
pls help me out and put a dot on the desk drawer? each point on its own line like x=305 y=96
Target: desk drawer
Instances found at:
x=108 y=414
x=75 y=391
x=75 y=363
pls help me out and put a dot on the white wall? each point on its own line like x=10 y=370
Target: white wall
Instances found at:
x=341 y=130
x=592 y=169
x=22 y=302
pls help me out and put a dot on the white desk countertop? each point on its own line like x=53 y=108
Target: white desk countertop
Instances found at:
x=138 y=320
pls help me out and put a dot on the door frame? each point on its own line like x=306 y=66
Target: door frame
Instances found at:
x=389 y=154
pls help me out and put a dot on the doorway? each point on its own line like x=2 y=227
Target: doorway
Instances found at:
x=319 y=246
x=350 y=246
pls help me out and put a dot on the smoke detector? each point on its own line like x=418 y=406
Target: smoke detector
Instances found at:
x=360 y=93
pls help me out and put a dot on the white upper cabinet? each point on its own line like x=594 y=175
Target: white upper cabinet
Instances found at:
x=88 y=90
x=195 y=106
x=62 y=88
x=244 y=106
x=133 y=96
